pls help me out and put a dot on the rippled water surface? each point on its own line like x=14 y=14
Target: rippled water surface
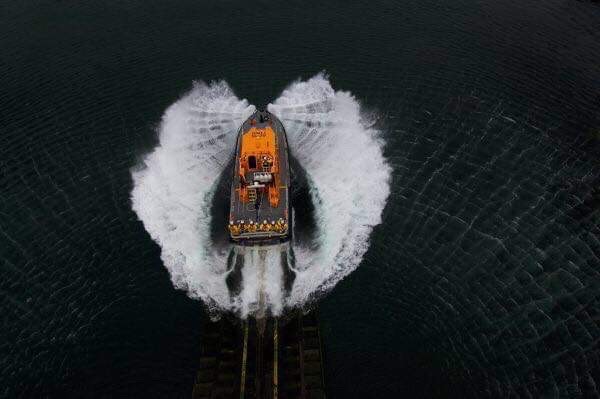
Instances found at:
x=477 y=277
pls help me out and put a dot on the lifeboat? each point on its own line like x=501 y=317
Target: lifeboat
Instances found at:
x=259 y=210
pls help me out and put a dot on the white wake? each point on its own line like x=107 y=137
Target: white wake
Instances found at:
x=175 y=185
x=349 y=180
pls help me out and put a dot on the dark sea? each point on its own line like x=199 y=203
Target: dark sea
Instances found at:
x=483 y=279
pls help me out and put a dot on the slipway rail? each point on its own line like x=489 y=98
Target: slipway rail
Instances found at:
x=268 y=358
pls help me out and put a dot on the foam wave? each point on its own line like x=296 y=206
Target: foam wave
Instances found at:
x=262 y=276
x=349 y=184
x=349 y=179
x=174 y=187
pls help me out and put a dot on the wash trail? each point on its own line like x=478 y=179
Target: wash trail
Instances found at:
x=176 y=185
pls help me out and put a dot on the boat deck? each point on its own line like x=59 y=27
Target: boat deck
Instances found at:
x=260 y=211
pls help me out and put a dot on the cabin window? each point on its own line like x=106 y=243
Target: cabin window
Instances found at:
x=252 y=162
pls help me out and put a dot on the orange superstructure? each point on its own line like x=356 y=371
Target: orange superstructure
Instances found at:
x=258 y=156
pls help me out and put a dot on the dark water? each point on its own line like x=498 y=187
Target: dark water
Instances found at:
x=483 y=280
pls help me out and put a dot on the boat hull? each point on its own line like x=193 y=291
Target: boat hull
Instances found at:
x=260 y=215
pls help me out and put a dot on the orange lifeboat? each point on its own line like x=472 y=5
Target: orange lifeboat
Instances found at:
x=260 y=188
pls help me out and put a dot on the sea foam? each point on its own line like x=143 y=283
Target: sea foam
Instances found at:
x=174 y=187
x=349 y=179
